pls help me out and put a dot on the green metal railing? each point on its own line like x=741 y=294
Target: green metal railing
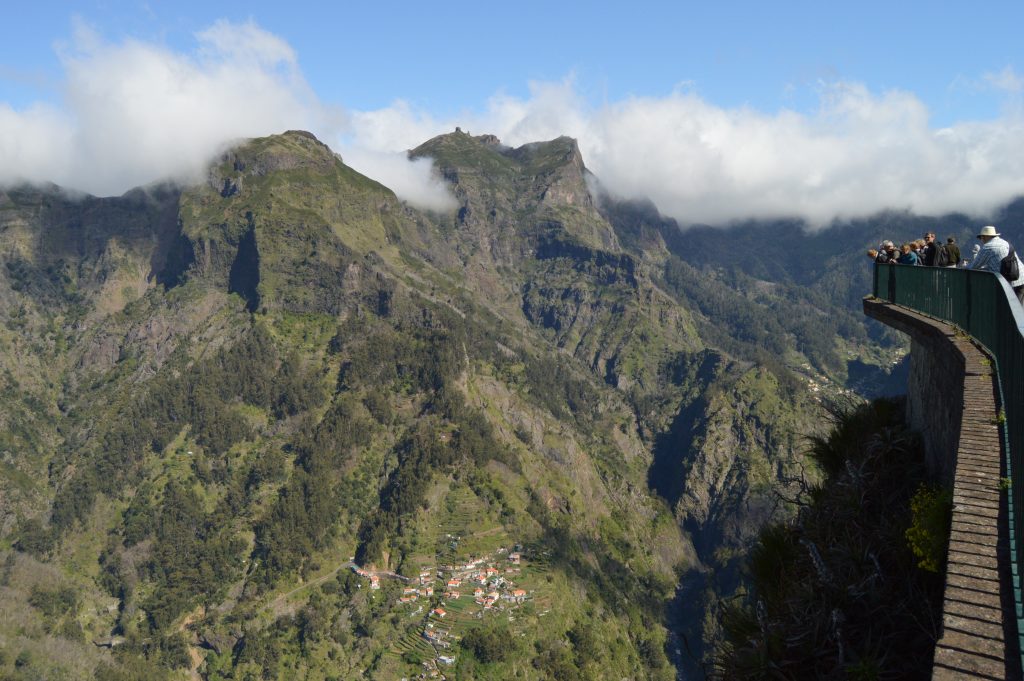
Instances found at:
x=984 y=306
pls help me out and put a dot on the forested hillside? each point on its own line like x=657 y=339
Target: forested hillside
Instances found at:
x=281 y=425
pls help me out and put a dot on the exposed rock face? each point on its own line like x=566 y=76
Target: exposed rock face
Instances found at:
x=512 y=197
x=218 y=642
x=724 y=436
x=294 y=150
x=242 y=233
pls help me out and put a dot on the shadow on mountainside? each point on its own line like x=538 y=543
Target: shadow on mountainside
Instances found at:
x=667 y=470
x=671 y=450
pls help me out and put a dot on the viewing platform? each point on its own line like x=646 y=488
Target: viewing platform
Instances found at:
x=965 y=395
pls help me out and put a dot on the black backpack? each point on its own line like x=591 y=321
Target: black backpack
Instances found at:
x=1008 y=267
x=942 y=258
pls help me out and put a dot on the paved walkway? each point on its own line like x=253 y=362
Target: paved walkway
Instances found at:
x=974 y=639
x=975 y=642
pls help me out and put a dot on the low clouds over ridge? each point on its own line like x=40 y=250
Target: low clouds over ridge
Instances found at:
x=860 y=153
x=135 y=112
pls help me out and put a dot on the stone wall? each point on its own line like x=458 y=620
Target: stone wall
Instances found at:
x=951 y=401
x=935 y=387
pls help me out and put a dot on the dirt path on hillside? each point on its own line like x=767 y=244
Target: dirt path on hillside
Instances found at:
x=280 y=606
x=193 y=651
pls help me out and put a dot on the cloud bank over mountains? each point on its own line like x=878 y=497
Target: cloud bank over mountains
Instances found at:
x=136 y=112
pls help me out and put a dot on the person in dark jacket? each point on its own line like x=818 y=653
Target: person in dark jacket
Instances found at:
x=952 y=252
x=890 y=250
x=931 y=250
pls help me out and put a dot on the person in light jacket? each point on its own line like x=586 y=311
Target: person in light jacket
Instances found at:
x=993 y=250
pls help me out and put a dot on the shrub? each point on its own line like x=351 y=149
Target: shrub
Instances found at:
x=836 y=593
x=928 y=534
x=491 y=644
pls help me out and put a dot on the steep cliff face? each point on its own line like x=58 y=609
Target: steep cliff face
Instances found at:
x=749 y=441
x=534 y=243
x=55 y=241
x=281 y=220
x=68 y=263
x=512 y=198
x=722 y=437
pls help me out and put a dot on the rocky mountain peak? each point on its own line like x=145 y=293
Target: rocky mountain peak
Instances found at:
x=291 y=150
x=560 y=152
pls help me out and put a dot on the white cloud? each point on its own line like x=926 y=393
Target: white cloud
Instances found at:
x=394 y=129
x=860 y=153
x=415 y=181
x=1006 y=80
x=135 y=112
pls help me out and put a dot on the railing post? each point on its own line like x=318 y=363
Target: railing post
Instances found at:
x=970 y=297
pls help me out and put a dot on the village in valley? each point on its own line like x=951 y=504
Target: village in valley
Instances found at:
x=448 y=596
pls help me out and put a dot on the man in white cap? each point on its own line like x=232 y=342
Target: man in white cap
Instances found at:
x=993 y=250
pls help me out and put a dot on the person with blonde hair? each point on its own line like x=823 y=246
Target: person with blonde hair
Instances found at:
x=908 y=255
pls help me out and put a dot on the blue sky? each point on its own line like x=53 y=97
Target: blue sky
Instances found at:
x=369 y=77
x=454 y=55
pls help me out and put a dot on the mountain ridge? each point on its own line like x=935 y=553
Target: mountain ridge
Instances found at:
x=285 y=366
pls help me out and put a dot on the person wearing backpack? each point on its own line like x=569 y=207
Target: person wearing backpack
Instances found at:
x=996 y=255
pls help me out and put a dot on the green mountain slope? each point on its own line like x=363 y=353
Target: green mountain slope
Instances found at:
x=228 y=396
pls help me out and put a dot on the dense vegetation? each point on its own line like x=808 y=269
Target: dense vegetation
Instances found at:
x=224 y=397
x=747 y=319
x=838 y=592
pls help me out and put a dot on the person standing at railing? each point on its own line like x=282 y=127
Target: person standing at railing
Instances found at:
x=974 y=254
x=930 y=252
x=952 y=256
x=908 y=256
x=990 y=256
x=890 y=250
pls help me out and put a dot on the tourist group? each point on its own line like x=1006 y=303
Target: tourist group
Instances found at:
x=993 y=254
